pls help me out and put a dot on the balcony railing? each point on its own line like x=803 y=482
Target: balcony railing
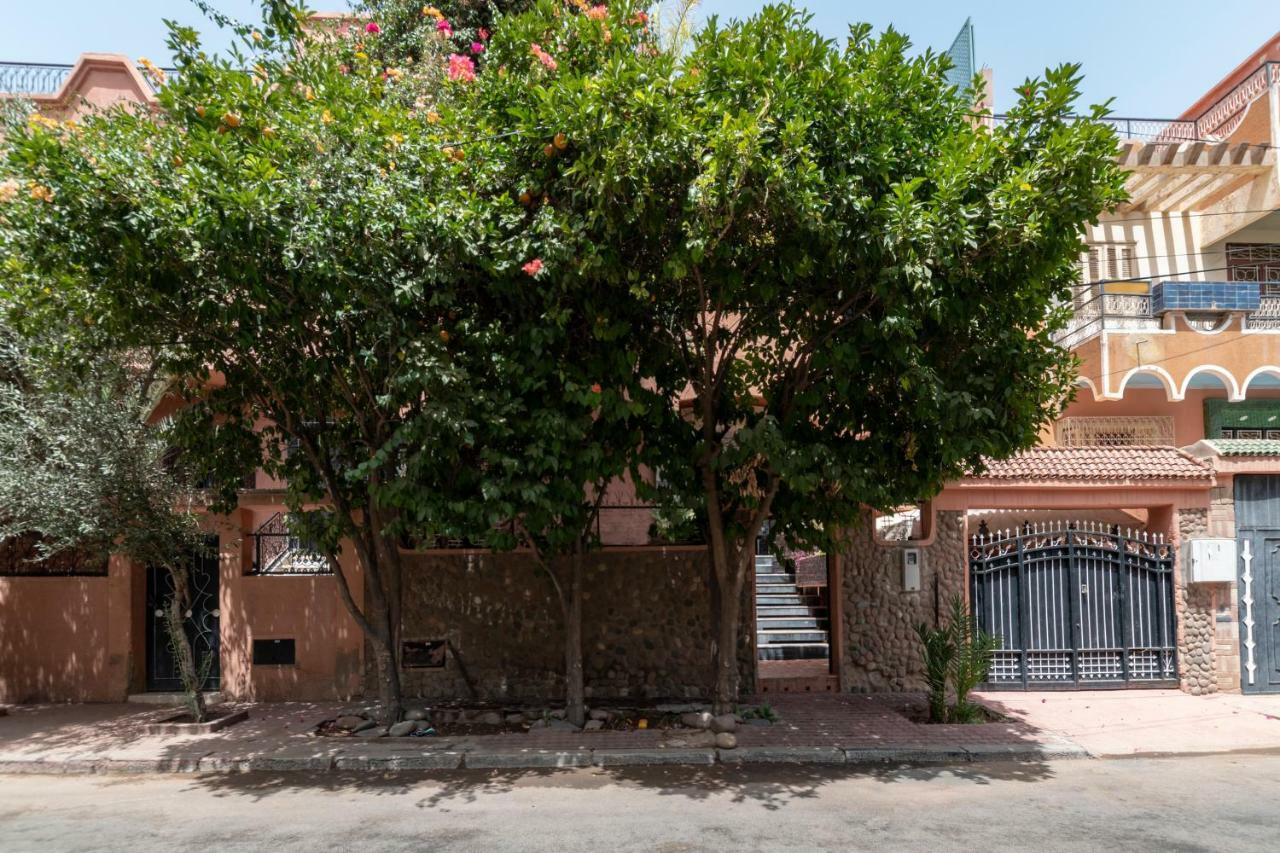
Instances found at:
x=46 y=78
x=1203 y=304
x=277 y=551
x=1114 y=431
x=1217 y=123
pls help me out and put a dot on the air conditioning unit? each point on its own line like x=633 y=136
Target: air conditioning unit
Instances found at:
x=1213 y=560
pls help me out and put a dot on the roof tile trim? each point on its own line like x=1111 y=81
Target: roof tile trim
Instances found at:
x=1097 y=465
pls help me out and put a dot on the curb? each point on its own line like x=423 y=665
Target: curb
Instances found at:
x=543 y=759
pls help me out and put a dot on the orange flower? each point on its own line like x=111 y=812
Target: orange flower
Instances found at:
x=231 y=119
x=40 y=192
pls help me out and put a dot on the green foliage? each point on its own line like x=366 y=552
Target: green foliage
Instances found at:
x=939 y=650
x=958 y=655
x=975 y=649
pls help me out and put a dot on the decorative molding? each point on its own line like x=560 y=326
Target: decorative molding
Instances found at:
x=1246 y=599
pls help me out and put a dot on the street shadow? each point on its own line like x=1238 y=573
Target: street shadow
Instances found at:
x=770 y=786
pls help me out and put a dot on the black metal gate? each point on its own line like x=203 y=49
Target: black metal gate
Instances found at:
x=1076 y=605
x=202 y=626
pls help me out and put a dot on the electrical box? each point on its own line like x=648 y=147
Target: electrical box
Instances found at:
x=1213 y=560
x=911 y=558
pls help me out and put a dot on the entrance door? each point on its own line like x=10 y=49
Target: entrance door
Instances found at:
x=202 y=626
x=1075 y=605
x=1258 y=581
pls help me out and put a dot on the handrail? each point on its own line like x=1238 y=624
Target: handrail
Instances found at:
x=46 y=78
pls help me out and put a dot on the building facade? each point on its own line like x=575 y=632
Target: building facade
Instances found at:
x=1133 y=548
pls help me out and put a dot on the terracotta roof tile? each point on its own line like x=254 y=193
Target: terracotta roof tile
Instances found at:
x=1097 y=464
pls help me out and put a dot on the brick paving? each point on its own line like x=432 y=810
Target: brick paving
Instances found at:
x=83 y=738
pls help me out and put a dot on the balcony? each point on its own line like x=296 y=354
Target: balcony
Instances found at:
x=28 y=79
x=1145 y=431
x=1203 y=305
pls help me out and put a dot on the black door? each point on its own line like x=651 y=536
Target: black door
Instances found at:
x=202 y=626
x=1258 y=581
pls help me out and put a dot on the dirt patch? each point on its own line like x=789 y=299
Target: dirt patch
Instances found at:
x=917 y=711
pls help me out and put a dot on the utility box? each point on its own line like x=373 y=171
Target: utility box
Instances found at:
x=911 y=569
x=1213 y=560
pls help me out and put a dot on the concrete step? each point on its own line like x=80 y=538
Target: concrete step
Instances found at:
x=789 y=635
x=773 y=623
x=774 y=577
x=795 y=651
x=782 y=610
x=790 y=599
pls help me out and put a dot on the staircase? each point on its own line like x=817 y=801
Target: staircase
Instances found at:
x=789 y=624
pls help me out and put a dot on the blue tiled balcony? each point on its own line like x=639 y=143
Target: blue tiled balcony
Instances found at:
x=1204 y=296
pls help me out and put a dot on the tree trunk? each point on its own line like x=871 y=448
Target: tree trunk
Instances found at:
x=575 y=700
x=176 y=623
x=730 y=613
x=389 y=698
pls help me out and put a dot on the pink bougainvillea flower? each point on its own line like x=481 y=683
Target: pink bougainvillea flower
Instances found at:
x=483 y=33
x=545 y=58
x=598 y=12
x=477 y=47
x=372 y=28
x=461 y=68
x=443 y=26
x=533 y=267
x=595 y=388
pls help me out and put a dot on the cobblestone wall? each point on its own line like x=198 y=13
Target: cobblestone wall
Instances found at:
x=645 y=626
x=881 y=649
x=1194 y=605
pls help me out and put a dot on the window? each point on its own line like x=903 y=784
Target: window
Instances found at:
x=1258 y=262
x=1108 y=262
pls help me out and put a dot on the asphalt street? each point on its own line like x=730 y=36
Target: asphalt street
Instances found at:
x=1225 y=802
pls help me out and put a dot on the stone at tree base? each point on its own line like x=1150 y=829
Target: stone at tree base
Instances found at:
x=490 y=718
x=692 y=740
x=514 y=719
x=364 y=725
x=538 y=724
x=726 y=740
x=723 y=723
x=403 y=728
x=349 y=722
x=696 y=720
x=561 y=725
x=416 y=714
x=593 y=726
x=559 y=714
x=600 y=714
x=374 y=730
x=535 y=714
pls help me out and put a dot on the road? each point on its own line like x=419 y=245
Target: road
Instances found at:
x=1185 y=803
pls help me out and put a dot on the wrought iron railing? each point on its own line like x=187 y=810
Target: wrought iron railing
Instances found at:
x=1106 y=311
x=279 y=551
x=1216 y=123
x=1153 y=430
x=1267 y=317
x=46 y=78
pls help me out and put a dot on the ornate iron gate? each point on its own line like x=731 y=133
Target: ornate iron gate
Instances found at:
x=202 y=624
x=1076 y=604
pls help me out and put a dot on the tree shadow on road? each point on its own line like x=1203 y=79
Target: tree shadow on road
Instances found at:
x=770 y=786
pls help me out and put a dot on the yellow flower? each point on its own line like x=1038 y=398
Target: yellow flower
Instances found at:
x=1025 y=187
x=326 y=117
x=41 y=120
x=40 y=192
x=433 y=117
x=396 y=140
x=257 y=37
x=360 y=54
x=8 y=190
x=391 y=165
x=432 y=12
x=309 y=93
x=269 y=132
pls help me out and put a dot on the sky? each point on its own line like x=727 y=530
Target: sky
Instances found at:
x=1154 y=59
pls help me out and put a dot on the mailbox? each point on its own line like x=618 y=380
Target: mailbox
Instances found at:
x=1213 y=560
x=911 y=569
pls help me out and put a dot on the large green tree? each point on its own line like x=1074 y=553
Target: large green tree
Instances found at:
x=291 y=227
x=84 y=471
x=852 y=276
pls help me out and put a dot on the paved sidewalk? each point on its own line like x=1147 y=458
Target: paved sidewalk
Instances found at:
x=814 y=729
x=1148 y=722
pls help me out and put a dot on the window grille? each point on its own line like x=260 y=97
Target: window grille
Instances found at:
x=1115 y=432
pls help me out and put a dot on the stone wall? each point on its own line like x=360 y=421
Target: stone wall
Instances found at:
x=645 y=627
x=1208 y=627
x=881 y=649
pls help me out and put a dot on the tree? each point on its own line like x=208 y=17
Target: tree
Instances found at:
x=81 y=469
x=853 y=277
x=291 y=228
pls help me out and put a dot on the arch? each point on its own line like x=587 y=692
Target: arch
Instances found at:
x=1224 y=377
x=1149 y=376
x=1085 y=382
x=1267 y=376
